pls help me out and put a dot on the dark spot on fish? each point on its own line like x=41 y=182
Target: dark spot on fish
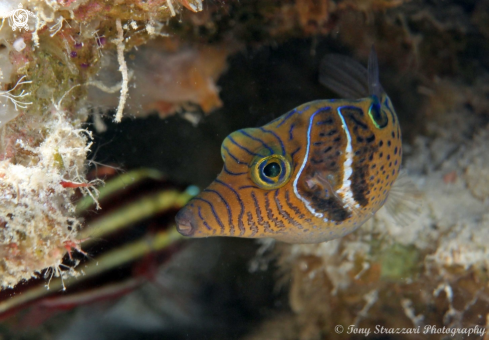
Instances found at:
x=360 y=139
x=395 y=150
x=332 y=132
x=358 y=123
x=359 y=185
x=381 y=155
x=337 y=139
x=388 y=143
x=331 y=206
x=381 y=143
x=370 y=139
x=325 y=122
x=328 y=149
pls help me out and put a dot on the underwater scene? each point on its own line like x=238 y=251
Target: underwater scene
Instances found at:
x=244 y=169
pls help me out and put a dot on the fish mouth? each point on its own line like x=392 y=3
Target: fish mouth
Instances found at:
x=185 y=222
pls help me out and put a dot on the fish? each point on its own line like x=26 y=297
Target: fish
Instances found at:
x=314 y=174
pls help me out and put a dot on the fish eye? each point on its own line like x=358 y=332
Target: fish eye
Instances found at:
x=272 y=169
x=377 y=115
x=271 y=172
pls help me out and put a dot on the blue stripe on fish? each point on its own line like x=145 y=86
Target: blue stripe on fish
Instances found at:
x=243 y=148
x=233 y=173
x=278 y=138
x=290 y=132
x=233 y=156
x=203 y=220
x=230 y=214
x=240 y=217
x=213 y=211
x=257 y=139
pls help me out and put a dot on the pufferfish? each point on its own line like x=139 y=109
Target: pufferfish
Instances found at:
x=314 y=174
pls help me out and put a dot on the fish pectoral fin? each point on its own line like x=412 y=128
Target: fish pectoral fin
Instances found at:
x=404 y=201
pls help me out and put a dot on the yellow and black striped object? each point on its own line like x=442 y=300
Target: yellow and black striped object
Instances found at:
x=119 y=248
x=314 y=174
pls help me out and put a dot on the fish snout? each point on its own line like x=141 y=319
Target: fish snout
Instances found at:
x=185 y=222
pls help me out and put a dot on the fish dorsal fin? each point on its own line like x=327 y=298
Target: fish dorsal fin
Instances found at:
x=349 y=78
x=374 y=87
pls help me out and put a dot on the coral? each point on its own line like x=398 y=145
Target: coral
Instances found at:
x=132 y=260
x=46 y=69
x=36 y=211
x=10 y=109
x=430 y=272
x=183 y=77
x=78 y=52
x=259 y=23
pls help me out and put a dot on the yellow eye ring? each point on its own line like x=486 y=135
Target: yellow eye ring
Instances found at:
x=271 y=172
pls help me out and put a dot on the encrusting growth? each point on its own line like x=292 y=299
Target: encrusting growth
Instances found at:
x=43 y=144
x=123 y=68
x=36 y=211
